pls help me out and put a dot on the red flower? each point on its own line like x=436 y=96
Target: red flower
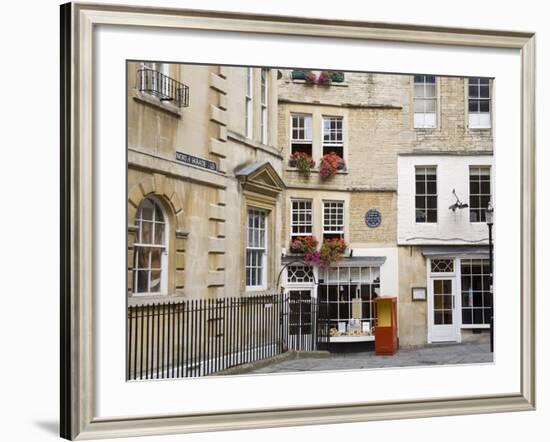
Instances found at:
x=329 y=164
x=304 y=244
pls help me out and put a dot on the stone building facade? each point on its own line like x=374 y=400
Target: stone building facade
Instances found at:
x=214 y=201
x=392 y=125
x=202 y=163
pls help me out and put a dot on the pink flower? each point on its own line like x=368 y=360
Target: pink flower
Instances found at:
x=329 y=164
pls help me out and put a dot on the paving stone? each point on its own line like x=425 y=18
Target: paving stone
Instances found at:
x=436 y=355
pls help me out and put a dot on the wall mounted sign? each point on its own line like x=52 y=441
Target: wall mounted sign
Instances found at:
x=418 y=293
x=195 y=161
x=373 y=218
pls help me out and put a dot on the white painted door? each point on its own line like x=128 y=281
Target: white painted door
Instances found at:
x=443 y=315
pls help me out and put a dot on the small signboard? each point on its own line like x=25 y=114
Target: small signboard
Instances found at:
x=373 y=218
x=195 y=161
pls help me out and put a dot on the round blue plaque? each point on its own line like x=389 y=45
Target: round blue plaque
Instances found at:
x=373 y=218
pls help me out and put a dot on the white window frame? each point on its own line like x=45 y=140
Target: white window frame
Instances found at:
x=460 y=293
x=264 y=100
x=249 y=94
x=479 y=194
x=340 y=132
x=265 y=248
x=163 y=247
x=421 y=97
x=305 y=283
x=478 y=119
x=425 y=195
x=303 y=211
x=333 y=278
x=340 y=232
x=306 y=127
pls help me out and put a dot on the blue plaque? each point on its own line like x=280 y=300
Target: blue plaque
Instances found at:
x=373 y=218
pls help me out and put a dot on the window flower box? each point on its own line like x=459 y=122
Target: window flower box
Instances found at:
x=303 y=162
x=332 y=251
x=337 y=76
x=303 y=244
x=310 y=78
x=324 y=78
x=298 y=74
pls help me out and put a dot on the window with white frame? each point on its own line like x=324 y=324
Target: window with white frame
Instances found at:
x=264 y=98
x=479 y=103
x=150 y=255
x=426 y=194
x=425 y=101
x=347 y=294
x=477 y=297
x=480 y=192
x=248 y=104
x=299 y=274
x=301 y=137
x=301 y=218
x=333 y=220
x=333 y=140
x=442 y=265
x=256 y=249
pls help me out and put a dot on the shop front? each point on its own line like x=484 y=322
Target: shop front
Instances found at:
x=343 y=298
x=460 y=296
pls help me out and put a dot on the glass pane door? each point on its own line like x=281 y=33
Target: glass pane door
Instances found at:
x=443 y=322
x=443 y=301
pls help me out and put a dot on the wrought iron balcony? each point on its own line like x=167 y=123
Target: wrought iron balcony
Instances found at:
x=161 y=86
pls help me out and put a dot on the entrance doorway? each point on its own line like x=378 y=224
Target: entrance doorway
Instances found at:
x=443 y=320
x=300 y=319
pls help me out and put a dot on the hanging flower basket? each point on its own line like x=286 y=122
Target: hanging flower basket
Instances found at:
x=332 y=251
x=303 y=162
x=304 y=244
x=330 y=163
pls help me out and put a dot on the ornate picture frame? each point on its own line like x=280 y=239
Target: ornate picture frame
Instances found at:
x=78 y=24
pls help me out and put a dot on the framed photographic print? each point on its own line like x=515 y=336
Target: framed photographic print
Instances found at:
x=250 y=215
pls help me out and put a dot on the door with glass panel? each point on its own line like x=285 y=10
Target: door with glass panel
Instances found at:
x=443 y=318
x=300 y=320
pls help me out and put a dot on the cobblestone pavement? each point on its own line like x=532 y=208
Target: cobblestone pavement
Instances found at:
x=436 y=354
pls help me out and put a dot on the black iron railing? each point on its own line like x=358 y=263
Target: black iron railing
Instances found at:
x=305 y=322
x=165 y=88
x=204 y=336
x=201 y=337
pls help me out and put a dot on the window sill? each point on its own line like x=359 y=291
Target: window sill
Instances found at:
x=475 y=327
x=143 y=97
x=251 y=292
x=480 y=128
x=316 y=171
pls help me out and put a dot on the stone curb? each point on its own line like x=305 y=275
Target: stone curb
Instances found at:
x=287 y=356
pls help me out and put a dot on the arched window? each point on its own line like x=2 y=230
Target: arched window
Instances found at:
x=150 y=251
